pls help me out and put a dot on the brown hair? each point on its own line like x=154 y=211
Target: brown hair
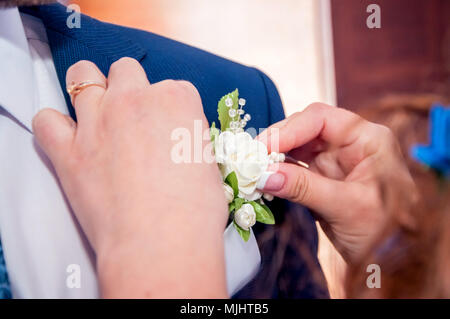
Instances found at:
x=413 y=252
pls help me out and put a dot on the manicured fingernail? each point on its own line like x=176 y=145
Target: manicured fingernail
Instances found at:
x=273 y=182
x=263 y=179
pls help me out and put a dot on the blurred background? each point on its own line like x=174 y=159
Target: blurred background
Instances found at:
x=315 y=50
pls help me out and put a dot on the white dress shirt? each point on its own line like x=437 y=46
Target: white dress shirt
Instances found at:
x=40 y=236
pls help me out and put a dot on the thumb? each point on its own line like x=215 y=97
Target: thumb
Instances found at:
x=54 y=133
x=327 y=197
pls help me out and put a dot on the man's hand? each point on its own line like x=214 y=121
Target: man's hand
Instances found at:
x=156 y=226
x=354 y=166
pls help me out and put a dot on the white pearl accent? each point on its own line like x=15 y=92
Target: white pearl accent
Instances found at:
x=273 y=156
x=277 y=157
x=228 y=102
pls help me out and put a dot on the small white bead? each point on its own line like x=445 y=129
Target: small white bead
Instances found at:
x=273 y=156
x=240 y=112
x=268 y=197
x=281 y=157
x=232 y=112
x=228 y=102
x=247 y=117
x=242 y=102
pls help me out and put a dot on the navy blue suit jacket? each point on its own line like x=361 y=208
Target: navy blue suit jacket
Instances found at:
x=293 y=274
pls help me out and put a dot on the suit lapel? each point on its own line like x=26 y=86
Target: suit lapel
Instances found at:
x=99 y=43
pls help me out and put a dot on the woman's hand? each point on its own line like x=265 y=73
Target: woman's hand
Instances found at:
x=156 y=226
x=354 y=165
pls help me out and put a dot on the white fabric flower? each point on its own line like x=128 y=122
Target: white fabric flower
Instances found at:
x=229 y=193
x=245 y=216
x=247 y=157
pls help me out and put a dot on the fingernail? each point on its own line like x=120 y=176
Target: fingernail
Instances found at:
x=263 y=179
x=271 y=181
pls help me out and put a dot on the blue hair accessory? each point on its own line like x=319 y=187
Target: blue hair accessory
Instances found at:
x=436 y=155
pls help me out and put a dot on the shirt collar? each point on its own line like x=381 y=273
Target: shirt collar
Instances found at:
x=34 y=28
x=18 y=95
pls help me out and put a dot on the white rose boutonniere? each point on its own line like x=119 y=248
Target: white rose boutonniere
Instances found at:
x=242 y=161
x=246 y=157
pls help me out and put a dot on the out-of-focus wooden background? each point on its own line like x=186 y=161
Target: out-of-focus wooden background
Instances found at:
x=410 y=53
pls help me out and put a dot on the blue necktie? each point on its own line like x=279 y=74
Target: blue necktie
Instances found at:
x=5 y=291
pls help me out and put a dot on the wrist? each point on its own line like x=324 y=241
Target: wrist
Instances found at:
x=137 y=267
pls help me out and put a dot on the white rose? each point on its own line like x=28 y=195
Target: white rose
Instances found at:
x=247 y=157
x=245 y=216
x=229 y=193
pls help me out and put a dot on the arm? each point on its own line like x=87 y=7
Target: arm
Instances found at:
x=152 y=222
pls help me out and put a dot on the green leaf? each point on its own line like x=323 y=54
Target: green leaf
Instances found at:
x=263 y=213
x=238 y=202
x=245 y=234
x=232 y=180
x=213 y=132
x=270 y=214
x=222 y=109
x=231 y=207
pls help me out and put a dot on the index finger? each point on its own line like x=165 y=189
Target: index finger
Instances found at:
x=333 y=125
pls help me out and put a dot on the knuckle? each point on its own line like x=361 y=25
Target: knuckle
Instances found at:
x=180 y=89
x=169 y=86
x=188 y=87
x=295 y=115
x=301 y=189
x=168 y=91
x=317 y=107
x=384 y=131
x=191 y=92
x=323 y=160
x=123 y=63
x=385 y=135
